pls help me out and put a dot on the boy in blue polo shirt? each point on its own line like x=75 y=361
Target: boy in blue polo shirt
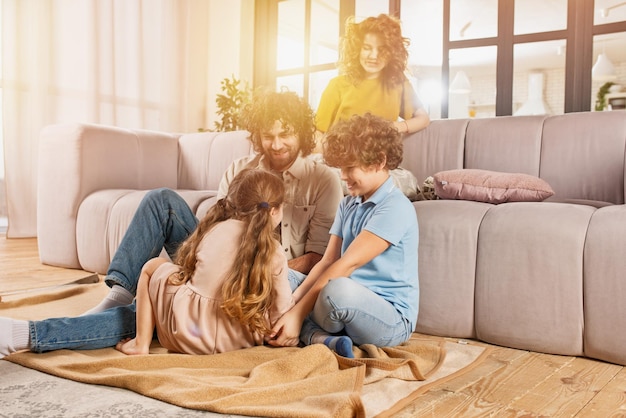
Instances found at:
x=365 y=289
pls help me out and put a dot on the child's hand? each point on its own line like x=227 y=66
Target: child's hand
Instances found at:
x=286 y=331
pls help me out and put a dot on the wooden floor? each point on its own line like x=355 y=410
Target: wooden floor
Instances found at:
x=509 y=383
x=20 y=267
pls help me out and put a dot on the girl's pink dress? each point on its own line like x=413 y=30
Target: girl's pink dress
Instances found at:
x=189 y=318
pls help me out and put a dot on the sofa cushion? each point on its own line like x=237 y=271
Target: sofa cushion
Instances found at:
x=604 y=286
x=448 y=242
x=594 y=203
x=490 y=186
x=582 y=155
x=106 y=215
x=504 y=143
x=529 y=277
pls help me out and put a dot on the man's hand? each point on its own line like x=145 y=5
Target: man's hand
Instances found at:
x=286 y=331
x=304 y=263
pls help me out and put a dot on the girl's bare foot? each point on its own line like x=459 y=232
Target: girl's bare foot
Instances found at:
x=130 y=346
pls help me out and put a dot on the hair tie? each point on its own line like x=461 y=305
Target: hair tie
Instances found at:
x=264 y=205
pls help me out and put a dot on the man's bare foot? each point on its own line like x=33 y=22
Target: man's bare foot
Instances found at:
x=130 y=346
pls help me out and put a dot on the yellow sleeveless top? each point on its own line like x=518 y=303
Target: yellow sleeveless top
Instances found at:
x=341 y=99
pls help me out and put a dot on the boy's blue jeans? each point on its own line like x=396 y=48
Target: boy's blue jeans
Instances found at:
x=345 y=307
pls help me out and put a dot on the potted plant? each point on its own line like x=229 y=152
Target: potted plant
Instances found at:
x=600 y=99
x=235 y=95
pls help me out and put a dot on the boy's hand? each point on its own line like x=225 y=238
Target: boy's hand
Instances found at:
x=286 y=331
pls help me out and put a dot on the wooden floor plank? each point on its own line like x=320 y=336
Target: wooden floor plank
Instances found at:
x=454 y=398
x=569 y=389
x=610 y=401
x=20 y=267
x=518 y=379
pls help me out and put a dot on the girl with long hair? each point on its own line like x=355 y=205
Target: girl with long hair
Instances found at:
x=228 y=284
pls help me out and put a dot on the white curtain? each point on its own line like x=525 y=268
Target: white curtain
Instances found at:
x=128 y=63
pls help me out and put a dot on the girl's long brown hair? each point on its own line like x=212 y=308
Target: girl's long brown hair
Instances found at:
x=248 y=290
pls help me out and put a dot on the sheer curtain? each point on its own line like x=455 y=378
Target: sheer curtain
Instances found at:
x=128 y=63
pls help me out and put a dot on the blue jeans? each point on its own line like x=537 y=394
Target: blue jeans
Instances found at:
x=100 y=330
x=163 y=220
x=344 y=307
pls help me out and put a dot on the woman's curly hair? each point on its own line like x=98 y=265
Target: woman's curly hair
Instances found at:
x=363 y=141
x=292 y=111
x=248 y=291
x=394 y=48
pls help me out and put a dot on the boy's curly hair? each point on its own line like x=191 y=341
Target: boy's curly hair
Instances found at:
x=292 y=111
x=363 y=141
x=394 y=48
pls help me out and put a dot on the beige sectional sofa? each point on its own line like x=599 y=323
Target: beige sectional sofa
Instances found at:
x=544 y=276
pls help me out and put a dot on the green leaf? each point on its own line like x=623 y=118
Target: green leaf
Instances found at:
x=235 y=95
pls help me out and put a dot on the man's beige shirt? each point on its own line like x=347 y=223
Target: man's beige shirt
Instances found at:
x=312 y=194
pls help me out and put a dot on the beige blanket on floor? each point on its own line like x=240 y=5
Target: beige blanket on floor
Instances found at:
x=261 y=381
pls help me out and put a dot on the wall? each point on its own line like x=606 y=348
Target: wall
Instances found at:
x=231 y=51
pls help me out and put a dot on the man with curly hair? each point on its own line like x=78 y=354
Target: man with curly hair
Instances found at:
x=365 y=289
x=282 y=131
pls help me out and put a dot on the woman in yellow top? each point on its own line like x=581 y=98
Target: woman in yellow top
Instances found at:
x=373 y=60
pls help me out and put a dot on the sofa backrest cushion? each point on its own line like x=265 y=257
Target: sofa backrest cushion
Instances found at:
x=155 y=168
x=510 y=144
x=438 y=148
x=204 y=157
x=582 y=155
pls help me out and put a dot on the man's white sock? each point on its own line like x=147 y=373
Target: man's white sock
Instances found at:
x=14 y=336
x=118 y=296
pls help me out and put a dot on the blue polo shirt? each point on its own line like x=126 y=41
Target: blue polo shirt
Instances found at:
x=391 y=216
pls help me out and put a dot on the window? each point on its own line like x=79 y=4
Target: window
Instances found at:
x=512 y=52
x=307 y=45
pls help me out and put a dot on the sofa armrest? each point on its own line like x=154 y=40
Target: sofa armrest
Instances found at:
x=76 y=160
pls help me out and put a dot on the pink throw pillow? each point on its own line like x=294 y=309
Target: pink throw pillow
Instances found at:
x=490 y=186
